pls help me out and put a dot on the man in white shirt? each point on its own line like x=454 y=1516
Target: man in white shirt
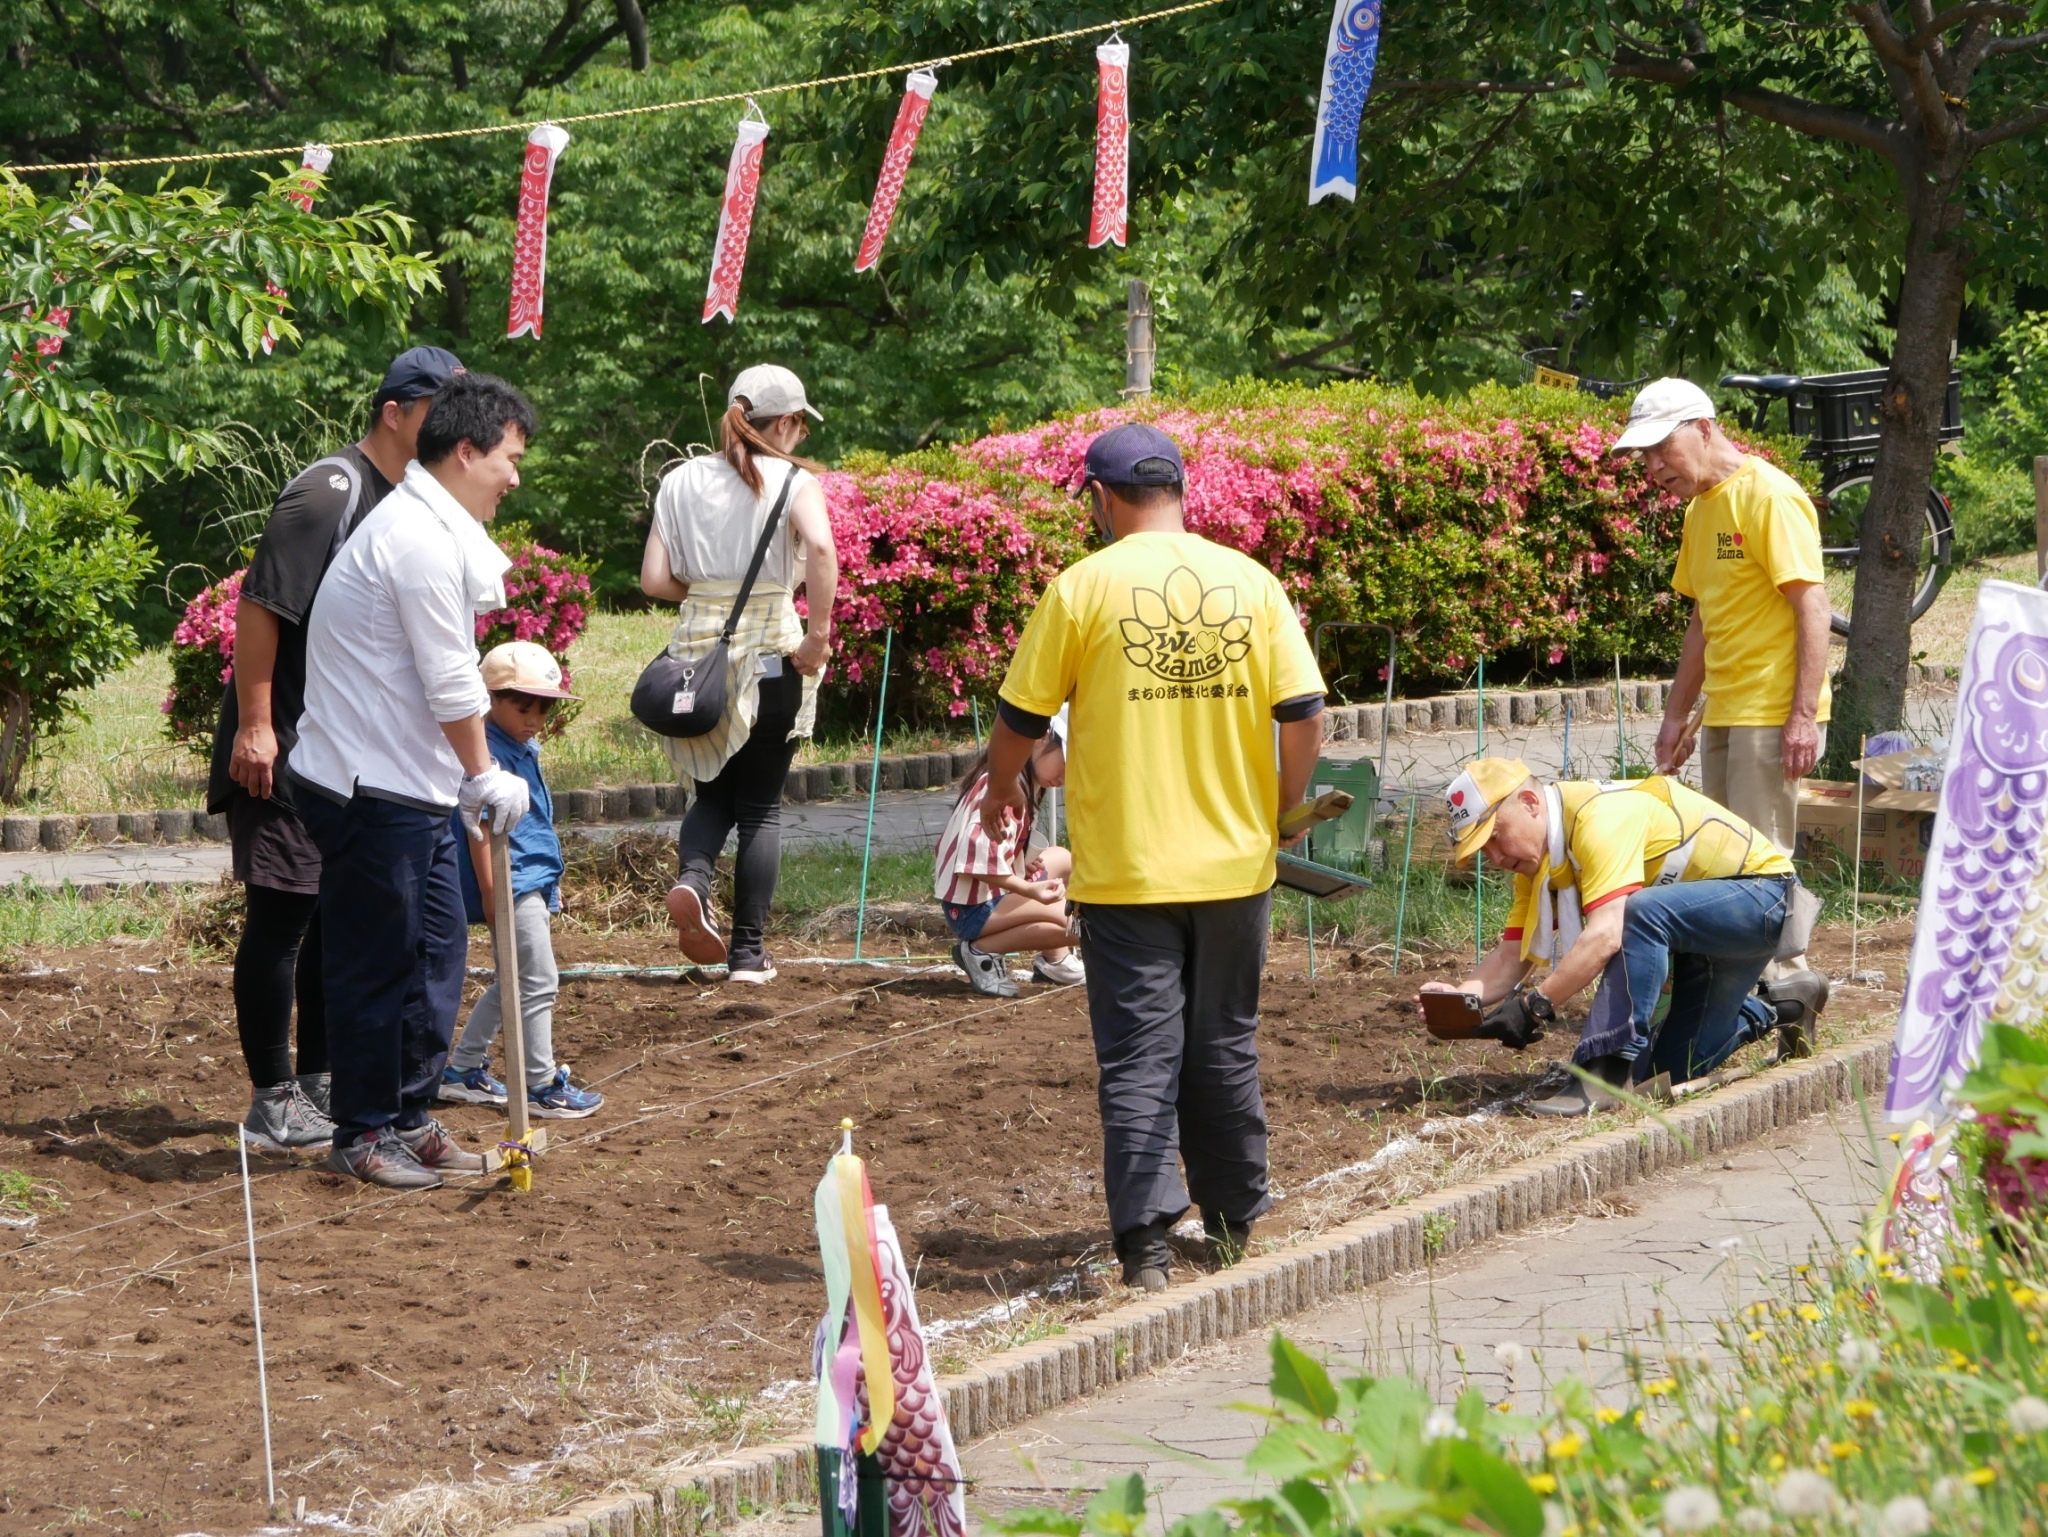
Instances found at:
x=391 y=740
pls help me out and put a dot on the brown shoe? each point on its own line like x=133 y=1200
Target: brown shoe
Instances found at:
x=435 y=1149
x=696 y=930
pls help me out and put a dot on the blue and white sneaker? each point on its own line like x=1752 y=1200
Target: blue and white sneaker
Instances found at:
x=560 y=1100
x=475 y=1086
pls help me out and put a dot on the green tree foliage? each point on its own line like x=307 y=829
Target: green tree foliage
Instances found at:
x=186 y=275
x=70 y=563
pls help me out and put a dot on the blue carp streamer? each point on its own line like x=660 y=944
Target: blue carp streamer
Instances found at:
x=1347 y=78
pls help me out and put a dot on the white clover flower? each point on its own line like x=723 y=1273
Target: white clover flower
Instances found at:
x=1800 y=1493
x=1754 y=1518
x=2027 y=1415
x=1905 y=1516
x=1442 y=1423
x=1690 y=1508
x=1509 y=1354
x=1858 y=1355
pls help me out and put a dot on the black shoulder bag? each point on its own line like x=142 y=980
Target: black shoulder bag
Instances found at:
x=686 y=696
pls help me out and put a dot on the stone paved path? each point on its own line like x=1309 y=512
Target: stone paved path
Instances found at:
x=1687 y=1245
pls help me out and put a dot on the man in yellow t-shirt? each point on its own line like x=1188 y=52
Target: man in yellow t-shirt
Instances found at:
x=1750 y=560
x=1631 y=883
x=1178 y=656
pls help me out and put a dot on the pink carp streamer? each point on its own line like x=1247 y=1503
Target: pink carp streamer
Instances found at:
x=1110 y=214
x=1986 y=853
x=544 y=147
x=735 y=220
x=876 y=1391
x=917 y=101
x=315 y=159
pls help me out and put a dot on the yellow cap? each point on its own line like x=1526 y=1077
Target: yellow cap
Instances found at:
x=1475 y=796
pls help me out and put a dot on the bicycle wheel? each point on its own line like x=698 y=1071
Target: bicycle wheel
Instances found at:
x=1841 y=528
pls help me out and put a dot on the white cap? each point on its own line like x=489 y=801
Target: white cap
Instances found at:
x=770 y=391
x=1658 y=409
x=521 y=667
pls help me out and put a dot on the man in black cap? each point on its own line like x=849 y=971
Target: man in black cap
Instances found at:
x=1178 y=656
x=273 y=856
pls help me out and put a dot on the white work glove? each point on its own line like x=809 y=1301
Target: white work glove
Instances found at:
x=493 y=796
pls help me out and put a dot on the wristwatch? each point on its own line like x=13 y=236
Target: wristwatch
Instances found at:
x=1541 y=1009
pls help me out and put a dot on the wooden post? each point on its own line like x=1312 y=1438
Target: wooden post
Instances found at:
x=512 y=1029
x=1138 y=345
x=2040 y=518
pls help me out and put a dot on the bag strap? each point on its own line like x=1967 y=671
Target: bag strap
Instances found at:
x=739 y=604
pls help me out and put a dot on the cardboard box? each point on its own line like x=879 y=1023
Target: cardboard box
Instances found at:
x=1893 y=837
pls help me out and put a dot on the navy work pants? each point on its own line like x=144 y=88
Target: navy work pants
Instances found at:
x=395 y=947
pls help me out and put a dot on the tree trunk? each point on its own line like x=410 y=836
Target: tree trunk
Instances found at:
x=1871 y=693
x=17 y=736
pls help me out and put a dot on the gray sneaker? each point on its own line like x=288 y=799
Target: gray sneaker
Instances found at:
x=987 y=974
x=382 y=1159
x=319 y=1088
x=284 y=1120
x=434 y=1149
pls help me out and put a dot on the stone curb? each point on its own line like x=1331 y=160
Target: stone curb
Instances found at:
x=1016 y=1384
x=918 y=771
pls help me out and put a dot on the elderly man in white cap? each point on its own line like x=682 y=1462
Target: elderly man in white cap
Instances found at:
x=1758 y=642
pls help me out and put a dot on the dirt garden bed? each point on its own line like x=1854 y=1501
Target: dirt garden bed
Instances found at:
x=655 y=1295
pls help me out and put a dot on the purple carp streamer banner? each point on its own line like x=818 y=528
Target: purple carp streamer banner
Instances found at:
x=1980 y=948
x=1347 y=78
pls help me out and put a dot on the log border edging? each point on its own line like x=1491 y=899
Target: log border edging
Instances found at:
x=1016 y=1384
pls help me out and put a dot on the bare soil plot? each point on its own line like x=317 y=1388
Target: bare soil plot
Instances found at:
x=659 y=1286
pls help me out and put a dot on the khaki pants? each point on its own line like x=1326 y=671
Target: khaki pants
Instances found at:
x=1743 y=767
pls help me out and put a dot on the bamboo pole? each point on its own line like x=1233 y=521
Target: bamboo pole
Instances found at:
x=519 y=1148
x=256 y=1314
x=867 y=846
x=1401 y=908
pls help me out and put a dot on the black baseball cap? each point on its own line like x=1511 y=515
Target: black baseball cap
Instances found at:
x=1134 y=454
x=416 y=374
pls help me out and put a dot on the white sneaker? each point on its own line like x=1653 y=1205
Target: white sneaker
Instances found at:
x=758 y=973
x=1068 y=972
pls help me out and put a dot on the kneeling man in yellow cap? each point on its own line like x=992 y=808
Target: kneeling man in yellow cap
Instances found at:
x=1633 y=883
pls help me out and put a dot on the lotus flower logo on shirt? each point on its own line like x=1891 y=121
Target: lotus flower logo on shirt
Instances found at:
x=1184 y=632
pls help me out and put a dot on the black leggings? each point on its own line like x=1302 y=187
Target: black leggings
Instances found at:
x=747 y=794
x=280 y=954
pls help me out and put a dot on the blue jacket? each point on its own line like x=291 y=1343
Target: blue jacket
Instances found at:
x=536 y=851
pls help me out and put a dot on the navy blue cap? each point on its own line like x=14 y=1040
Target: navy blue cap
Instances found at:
x=416 y=374
x=1133 y=455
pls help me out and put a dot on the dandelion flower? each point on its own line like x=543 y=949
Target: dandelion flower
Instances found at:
x=1509 y=1354
x=1800 y=1493
x=1441 y=1423
x=1566 y=1447
x=1982 y=1476
x=1951 y=1492
x=1858 y=1355
x=1691 y=1509
x=2027 y=1415
x=1661 y=1386
x=1860 y=1409
x=1606 y=1415
x=1754 y=1519
x=1542 y=1483
x=1906 y=1516
x=1809 y=1312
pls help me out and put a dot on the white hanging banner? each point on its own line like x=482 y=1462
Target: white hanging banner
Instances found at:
x=735 y=219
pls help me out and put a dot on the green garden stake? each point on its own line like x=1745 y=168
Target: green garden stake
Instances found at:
x=867 y=847
x=1401 y=908
x=1620 y=731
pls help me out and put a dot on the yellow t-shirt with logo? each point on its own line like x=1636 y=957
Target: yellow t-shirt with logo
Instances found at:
x=1743 y=540
x=1173 y=652
x=1620 y=838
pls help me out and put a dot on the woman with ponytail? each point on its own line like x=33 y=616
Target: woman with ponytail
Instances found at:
x=708 y=520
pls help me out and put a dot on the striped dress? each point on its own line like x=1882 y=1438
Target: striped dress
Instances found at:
x=967 y=856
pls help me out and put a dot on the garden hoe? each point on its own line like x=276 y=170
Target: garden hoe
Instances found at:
x=522 y=1143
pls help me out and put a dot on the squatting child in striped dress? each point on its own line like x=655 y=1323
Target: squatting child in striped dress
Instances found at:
x=992 y=909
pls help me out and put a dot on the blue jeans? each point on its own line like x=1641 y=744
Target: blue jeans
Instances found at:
x=1713 y=939
x=395 y=947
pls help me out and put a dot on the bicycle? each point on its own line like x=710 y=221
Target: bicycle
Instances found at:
x=1838 y=414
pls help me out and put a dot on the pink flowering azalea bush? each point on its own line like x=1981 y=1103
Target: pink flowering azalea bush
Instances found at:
x=1494 y=525
x=547 y=601
x=202 y=662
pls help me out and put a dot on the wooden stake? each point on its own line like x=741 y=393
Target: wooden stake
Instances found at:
x=1139 y=349
x=512 y=1029
x=1856 y=887
x=2040 y=518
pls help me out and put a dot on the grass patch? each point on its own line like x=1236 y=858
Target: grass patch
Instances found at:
x=44 y=918
x=117 y=757
x=20 y=1192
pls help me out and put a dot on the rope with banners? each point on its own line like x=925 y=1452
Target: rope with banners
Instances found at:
x=723 y=98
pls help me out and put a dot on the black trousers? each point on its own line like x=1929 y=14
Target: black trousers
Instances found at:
x=396 y=945
x=279 y=958
x=1173 y=997
x=747 y=794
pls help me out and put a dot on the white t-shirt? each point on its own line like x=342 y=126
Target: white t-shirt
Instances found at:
x=709 y=521
x=390 y=656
